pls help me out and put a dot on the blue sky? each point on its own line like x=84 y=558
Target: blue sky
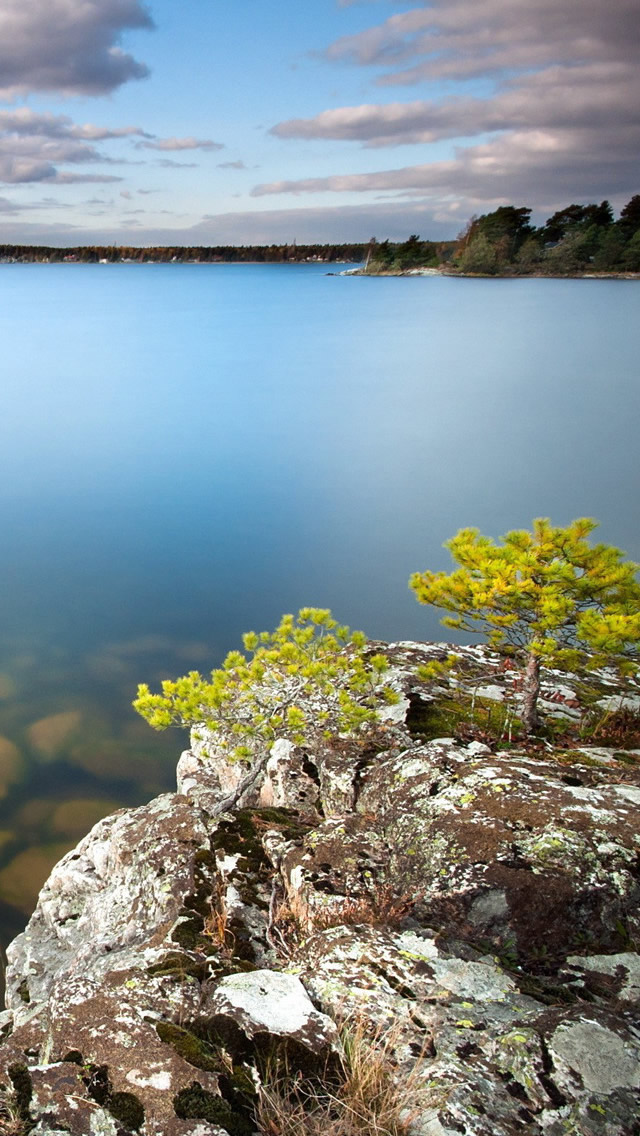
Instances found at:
x=203 y=122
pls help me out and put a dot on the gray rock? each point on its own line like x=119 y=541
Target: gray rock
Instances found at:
x=277 y=1004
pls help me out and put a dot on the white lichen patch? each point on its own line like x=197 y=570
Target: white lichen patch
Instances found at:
x=489 y=908
x=150 y=1080
x=626 y=964
x=266 y=1000
x=415 y=947
x=102 y=1124
x=629 y=792
x=602 y=1060
x=478 y=981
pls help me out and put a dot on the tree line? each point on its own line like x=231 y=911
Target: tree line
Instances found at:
x=352 y=253
x=576 y=239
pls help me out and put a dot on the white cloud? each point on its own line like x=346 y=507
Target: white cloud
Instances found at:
x=542 y=168
x=594 y=96
x=561 y=120
x=68 y=46
x=464 y=38
x=32 y=146
x=179 y=144
x=169 y=164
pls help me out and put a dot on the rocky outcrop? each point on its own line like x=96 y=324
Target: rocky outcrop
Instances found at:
x=478 y=902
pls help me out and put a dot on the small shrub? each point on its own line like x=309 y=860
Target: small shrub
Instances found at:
x=310 y=677
x=619 y=728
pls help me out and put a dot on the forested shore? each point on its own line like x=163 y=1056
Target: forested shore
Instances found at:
x=575 y=240
x=190 y=254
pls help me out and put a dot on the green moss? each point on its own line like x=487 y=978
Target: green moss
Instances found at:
x=187 y=933
x=626 y=758
x=127 y=1109
x=205 y=858
x=461 y=717
x=571 y=757
x=242 y=1082
x=223 y=1034
x=23 y=991
x=543 y=990
x=22 y=1091
x=243 y=834
x=195 y=1103
x=178 y=965
x=239 y=836
x=193 y=1049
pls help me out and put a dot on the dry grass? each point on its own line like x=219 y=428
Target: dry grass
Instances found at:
x=366 y=1098
x=292 y=919
x=381 y=907
x=11 y=1122
x=216 y=923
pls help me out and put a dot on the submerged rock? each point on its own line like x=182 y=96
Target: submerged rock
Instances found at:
x=477 y=909
x=73 y=818
x=49 y=736
x=22 y=878
x=12 y=765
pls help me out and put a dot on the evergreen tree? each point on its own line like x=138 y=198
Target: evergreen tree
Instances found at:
x=548 y=596
x=631 y=254
x=308 y=677
x=479 y=256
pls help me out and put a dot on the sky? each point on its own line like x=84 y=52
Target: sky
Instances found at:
x=208 y=122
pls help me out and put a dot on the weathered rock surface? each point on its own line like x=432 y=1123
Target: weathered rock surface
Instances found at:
x=483 y=903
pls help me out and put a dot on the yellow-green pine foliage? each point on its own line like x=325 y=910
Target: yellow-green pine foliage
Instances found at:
x=548 y=593
x=307 y=678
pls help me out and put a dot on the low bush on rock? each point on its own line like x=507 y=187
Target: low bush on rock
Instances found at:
x=307 y=678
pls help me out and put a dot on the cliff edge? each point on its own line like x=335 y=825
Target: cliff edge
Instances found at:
x=474 y=903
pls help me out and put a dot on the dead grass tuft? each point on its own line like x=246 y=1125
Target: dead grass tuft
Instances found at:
x=11 y=1121
x=368 y=1097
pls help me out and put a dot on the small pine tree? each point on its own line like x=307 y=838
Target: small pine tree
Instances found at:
x=307 y=678
x=549 y=596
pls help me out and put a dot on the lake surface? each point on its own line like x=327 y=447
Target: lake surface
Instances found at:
x=188 y=451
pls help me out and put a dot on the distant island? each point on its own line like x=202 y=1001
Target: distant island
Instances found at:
x=186 y=254
x=579 y=240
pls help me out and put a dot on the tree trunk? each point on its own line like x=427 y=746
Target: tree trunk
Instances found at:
x=531 y=690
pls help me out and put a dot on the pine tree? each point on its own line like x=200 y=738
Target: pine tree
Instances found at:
x=309 y=678
x=548 y=596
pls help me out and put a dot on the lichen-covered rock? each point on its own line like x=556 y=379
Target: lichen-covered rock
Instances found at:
x=266 y=1002
x=475 y=839
x=494 y=1061
x=477 y=908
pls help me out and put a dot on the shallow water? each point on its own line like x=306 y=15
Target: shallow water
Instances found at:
x=191 y=450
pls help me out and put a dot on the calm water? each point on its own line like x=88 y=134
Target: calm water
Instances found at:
x=189 y=451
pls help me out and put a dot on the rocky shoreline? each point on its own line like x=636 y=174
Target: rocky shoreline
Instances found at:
x=492 y=275
x=481 y=901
